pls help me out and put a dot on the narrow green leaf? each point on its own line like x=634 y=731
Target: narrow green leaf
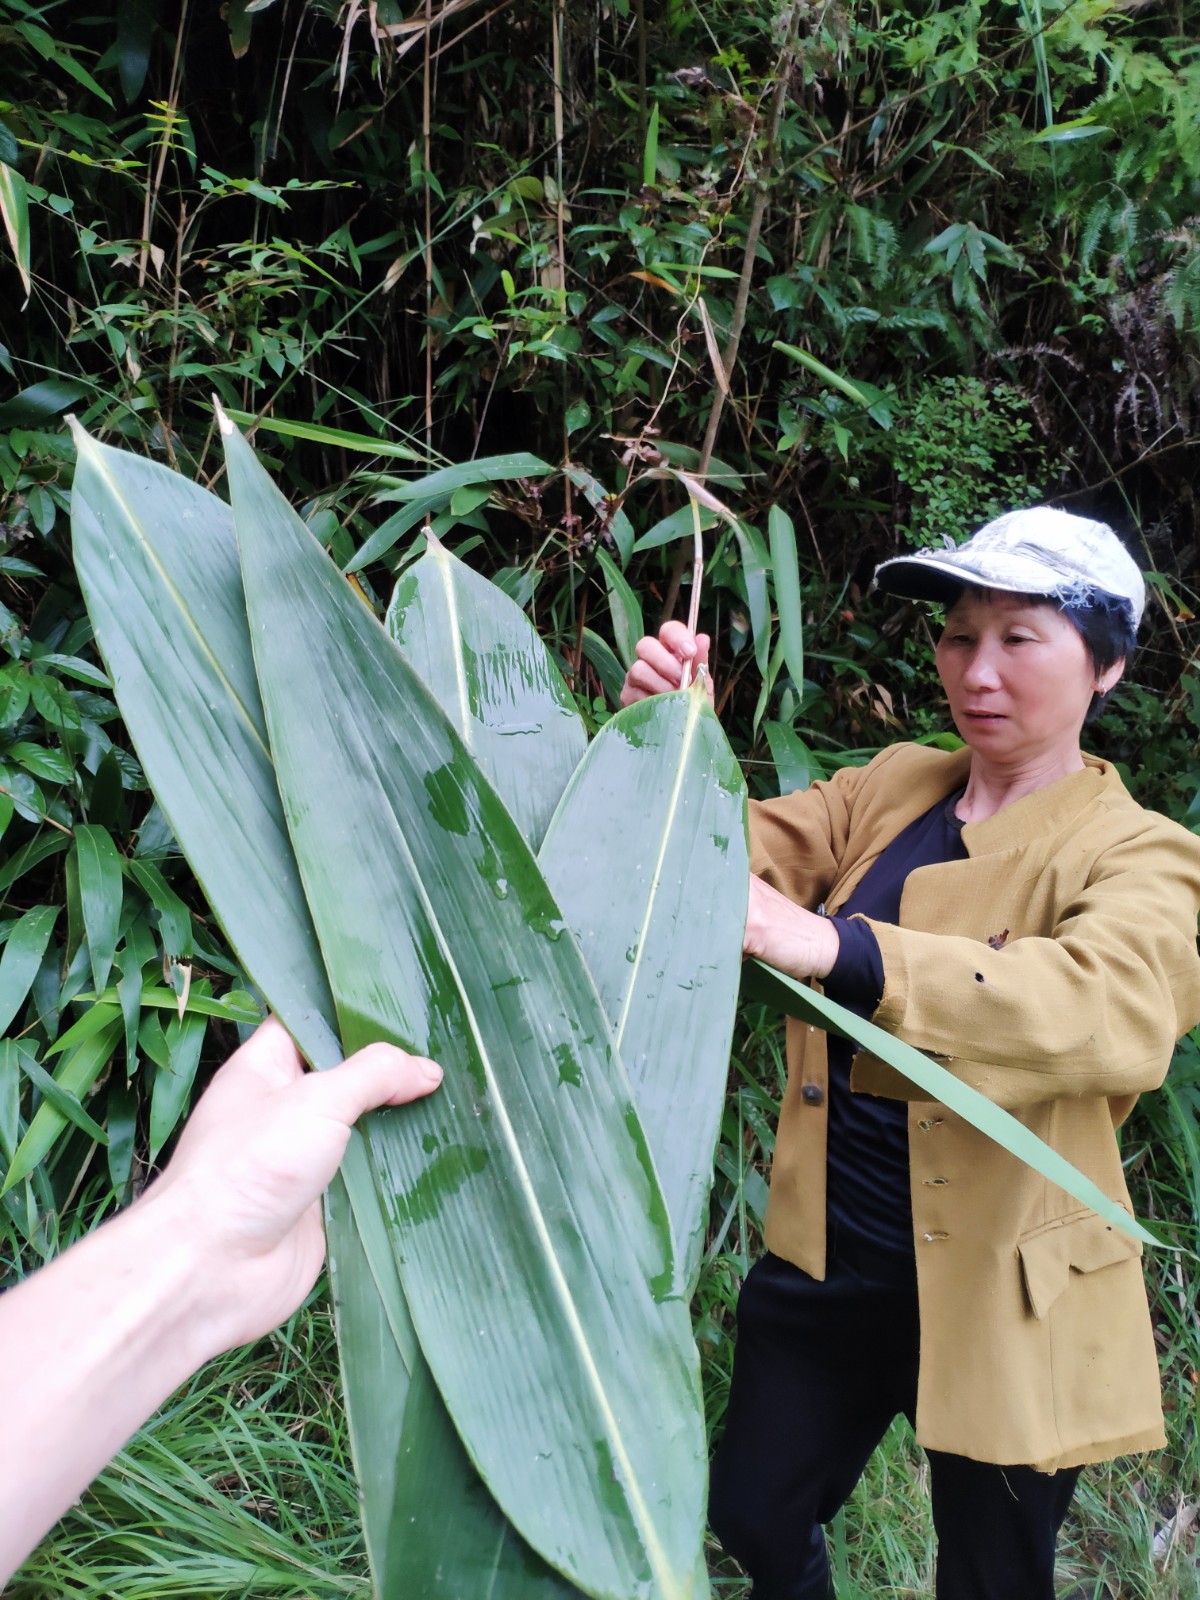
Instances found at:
x=607 y=508
x=678 y=525
x=41 y=401
x=29 y=856
x=61 y=1101
x=487 y=469
x=648 y=860
x=135 y=29
x=120 y=1119
x=439 y=933
x=650 y=150
x=624 y=607
x=129 y=993
x=795 y=764
x=338 y=438
x=375 y=1378
x=608 y=669
x=797 y=1000
x=785 y=572
x=101 y=887
x=755 y=565
x=390 y=532
x=14 y=207
x=493 y=676
x=23 y=952
x=173 y=1082
x=10 y=1094
x=174 y=918
x=827 y=374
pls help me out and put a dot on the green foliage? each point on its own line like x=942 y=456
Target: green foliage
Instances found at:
x=965 y=452
x=980 y=217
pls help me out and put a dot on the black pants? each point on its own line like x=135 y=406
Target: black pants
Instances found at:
x=820 y=1371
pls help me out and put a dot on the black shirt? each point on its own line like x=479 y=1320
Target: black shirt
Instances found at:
x=867 y=1183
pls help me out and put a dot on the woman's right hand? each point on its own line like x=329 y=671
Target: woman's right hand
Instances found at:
x=659 y=665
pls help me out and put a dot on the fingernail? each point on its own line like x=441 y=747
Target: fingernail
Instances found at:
x=431 y=1072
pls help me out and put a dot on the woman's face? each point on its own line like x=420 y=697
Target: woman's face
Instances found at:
x=1019 y=679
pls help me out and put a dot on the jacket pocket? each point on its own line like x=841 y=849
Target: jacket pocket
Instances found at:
x=1080 y=1242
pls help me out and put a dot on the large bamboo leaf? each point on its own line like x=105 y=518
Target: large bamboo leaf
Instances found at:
x=452 y=1540
x=375 y=1401
x=472 y=644
x=158 y=565
x=535 y=1247
x=797 y=1000
x=493 y=676
x=647 y=857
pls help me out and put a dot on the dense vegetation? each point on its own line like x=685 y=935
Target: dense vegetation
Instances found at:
x=889 y=268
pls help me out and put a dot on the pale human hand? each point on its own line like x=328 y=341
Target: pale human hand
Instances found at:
x=659 y=665
x=242 y=1191
x=787 y=936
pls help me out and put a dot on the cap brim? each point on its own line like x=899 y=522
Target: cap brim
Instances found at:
x=937 y=575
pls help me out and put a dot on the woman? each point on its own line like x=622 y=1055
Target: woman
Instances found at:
x=1011 y=910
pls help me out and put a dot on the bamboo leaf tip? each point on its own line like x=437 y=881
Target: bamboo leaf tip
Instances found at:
x=223 y=421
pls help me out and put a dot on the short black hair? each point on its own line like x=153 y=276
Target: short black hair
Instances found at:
x=1104 y=623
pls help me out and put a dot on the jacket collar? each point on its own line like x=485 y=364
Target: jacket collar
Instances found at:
x=1046 y=811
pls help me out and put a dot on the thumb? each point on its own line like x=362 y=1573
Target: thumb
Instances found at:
x=378 y=1075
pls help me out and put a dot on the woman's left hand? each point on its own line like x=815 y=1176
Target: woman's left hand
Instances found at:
x=786 y=936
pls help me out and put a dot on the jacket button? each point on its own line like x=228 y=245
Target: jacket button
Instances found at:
x=812 y=1094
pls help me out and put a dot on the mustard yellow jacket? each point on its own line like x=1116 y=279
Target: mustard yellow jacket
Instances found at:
x=1053 y=970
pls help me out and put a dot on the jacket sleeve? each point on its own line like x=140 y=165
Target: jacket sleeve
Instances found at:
x=797 y=842
x=1094 y=1008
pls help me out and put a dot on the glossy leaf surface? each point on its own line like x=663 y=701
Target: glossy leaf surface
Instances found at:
x=647 y=857
x=158 y=564
x=488 y=670
x=797 y=1000
x=535 y=1248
